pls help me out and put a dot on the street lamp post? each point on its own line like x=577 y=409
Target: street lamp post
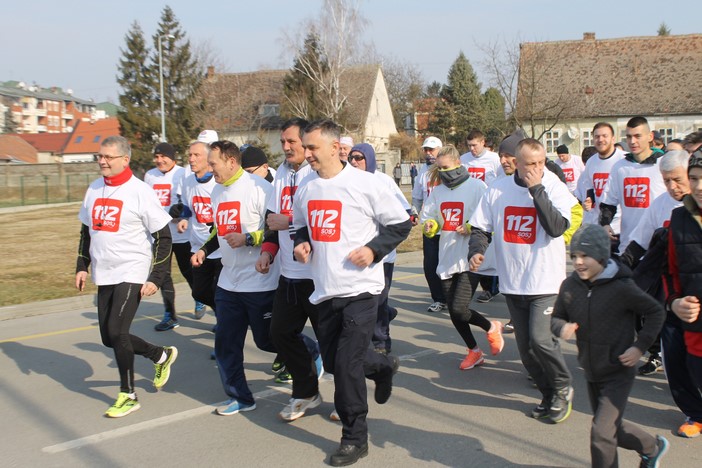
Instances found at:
x=160 y=76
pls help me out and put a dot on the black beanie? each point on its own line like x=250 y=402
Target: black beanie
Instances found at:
x=252 y=157
x=593 y=241
x=165 y=149
x=509 y=144
x=562 y=149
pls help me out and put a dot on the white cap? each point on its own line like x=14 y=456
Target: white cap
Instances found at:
x=432 y=142
x=208 y=136
x=347 y=140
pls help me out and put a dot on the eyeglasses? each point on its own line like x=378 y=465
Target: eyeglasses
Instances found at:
x=356 y=158
x=99 y=156
x=251 y=170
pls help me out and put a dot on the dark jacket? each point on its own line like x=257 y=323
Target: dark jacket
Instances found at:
x=685 y=255
x=607 y=311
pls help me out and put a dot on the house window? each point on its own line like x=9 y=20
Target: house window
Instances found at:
x=587 y=138
x=551 y=139
x=96 y=139
x=666 y=134
x=79 y=139
x=269 y=110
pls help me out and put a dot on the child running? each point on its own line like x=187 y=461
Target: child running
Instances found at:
x=601 y=305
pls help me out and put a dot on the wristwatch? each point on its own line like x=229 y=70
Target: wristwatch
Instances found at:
x=249 y=240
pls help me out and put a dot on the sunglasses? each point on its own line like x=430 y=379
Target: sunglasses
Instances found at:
x=356 y=158
x=251 y=170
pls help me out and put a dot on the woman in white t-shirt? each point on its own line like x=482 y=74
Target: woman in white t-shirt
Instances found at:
x=447 y=209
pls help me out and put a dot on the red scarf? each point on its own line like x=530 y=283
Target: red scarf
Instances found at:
x=119 y=179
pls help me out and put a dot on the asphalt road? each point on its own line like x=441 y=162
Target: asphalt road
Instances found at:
x=56 y=381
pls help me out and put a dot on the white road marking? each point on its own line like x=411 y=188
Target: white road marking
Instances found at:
x=206 y=409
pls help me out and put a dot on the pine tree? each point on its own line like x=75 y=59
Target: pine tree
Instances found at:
x=663 y=29
x=460 y=108
x=138 y=121
x=182 y=78
x=495 y=123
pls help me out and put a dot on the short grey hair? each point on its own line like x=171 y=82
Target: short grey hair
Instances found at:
x=674 y=159
x=122 y=144
x=207 y=146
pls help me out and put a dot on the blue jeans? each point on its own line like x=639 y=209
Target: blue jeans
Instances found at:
x=539 y=350
x=235 y=312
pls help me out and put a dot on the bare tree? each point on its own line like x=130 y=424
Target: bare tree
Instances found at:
x=338 y=29
x=520 y=79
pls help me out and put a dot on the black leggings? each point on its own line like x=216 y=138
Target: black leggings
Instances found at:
x=458 y=291
x=117 y=305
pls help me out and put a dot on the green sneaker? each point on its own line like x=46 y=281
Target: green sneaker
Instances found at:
x=283 y=377
x=277 y=366
x=123 y=406
x=163 y=371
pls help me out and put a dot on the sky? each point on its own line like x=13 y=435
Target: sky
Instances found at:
x=75 y=44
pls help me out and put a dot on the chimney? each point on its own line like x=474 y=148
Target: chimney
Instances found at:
x=589 y=36
x=210 y=71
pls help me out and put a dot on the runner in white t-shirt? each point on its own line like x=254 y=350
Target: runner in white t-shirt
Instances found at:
x=165 y=179
x=448 y=209
x=197 y=218
x=634 y=182
x=339 y=212
x=362 y=156
x=298 y=358
x=430 y=247
x=120 y=215
x=244 y=297
x=571 y=165
x=528 y=214
x=481 y=163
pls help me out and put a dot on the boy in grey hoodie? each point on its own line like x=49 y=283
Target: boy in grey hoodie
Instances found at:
x=601 y=305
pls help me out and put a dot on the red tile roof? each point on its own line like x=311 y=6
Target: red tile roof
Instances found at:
x=87 y=136
x=15 y=149
x=46 y=142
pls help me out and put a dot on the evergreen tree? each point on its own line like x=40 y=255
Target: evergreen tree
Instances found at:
x=663 y=29
x=138 y=120
x=495 y=123
x=301 y=93
x=182 y=78
x=460 y=108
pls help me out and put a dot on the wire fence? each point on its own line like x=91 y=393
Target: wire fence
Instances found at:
x=44 y=189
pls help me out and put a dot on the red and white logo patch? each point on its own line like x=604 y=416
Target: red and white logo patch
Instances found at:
x=106 y=214
x=228 y=217
x=452 y=212
x=569 y=174
x=324 y=219
x=520 y=225
x=163 y=192
x=286 y=200
x=202 y=207
x=599 y=182
x=636 y=192
x=477 y=173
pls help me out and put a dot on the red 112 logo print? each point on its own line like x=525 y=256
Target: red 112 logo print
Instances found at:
x=324 y=219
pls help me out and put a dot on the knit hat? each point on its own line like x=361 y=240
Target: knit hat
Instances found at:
x=509 y=144
x=165 y=149
x=346 y=140
x=432 y=142
x=562 y=149
x=695 y=160
x=208 y=136
x=253 y=157
x=593 y=241
x=366 y=150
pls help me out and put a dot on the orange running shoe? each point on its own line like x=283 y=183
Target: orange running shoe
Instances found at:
x=495 y=338
x=474 y=358
x=690 y=429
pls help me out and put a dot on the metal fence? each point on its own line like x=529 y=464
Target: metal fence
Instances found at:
x=44 y=189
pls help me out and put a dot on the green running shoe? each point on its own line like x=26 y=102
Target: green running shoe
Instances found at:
x=284 y=377
x=123 y=406
x=163 y=371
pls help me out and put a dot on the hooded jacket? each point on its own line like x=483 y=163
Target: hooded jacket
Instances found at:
x=607 y=311
x=366 y=150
